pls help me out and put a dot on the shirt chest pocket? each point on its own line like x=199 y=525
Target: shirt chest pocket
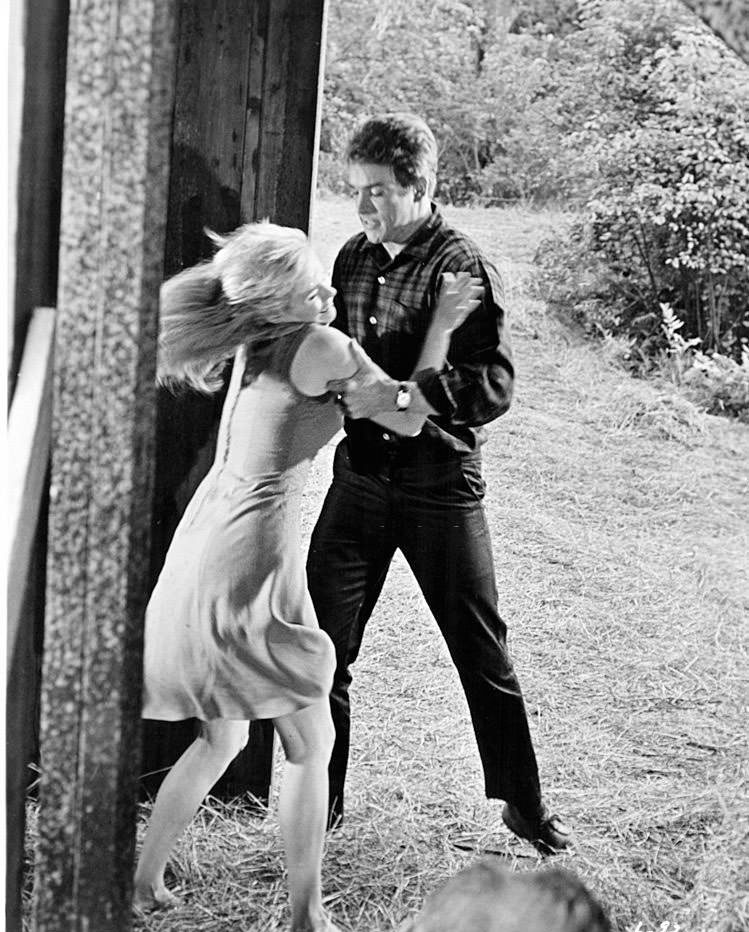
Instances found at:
x=393 y=337
x=393 y=317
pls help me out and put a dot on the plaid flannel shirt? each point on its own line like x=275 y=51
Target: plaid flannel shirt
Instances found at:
x=386 y=305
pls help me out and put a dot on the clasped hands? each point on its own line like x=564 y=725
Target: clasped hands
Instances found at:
x=369 y=390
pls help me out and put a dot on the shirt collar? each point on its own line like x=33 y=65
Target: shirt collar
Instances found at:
x=418 y=244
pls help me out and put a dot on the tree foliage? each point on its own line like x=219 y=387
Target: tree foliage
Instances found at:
x=628 y=111
x=667 y=221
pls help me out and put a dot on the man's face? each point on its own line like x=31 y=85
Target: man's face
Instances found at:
x=389 y=213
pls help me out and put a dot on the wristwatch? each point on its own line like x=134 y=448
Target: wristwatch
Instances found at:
x=403 y=397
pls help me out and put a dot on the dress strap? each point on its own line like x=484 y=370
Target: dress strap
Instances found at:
x=230 y=402
x=286 y=350
x=274 y=355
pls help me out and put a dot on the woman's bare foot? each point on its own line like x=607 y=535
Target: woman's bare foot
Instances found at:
x=147 y=900
x=327 y=926
x=322 y=924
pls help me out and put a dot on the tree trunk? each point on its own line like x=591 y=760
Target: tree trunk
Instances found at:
x=496 y=21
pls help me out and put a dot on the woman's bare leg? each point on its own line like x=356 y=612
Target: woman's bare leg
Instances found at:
x=183 y=790
x=307 y=739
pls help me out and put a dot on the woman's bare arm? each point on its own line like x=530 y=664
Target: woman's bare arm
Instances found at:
x=327 y=355
x=324 y=354
x=328 y=360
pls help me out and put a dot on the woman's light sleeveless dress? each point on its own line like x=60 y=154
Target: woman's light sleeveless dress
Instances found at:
x=230 y=628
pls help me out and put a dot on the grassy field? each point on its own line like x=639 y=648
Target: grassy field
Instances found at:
x=620 y=524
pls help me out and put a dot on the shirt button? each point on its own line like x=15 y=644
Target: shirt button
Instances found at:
x=386 y=436
x=381 y=280
x=373 y=320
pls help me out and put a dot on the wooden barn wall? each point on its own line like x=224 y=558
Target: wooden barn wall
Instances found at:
x=34 y=252
x=243 y=148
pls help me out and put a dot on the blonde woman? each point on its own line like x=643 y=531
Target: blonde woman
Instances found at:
x=230 y=633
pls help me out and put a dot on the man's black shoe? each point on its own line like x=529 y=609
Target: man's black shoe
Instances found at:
x=547 y=833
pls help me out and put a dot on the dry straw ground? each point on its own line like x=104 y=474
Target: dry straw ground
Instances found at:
x=619 y=516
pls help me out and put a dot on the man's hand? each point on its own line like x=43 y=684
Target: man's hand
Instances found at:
x=460 y=294
x=366 y=392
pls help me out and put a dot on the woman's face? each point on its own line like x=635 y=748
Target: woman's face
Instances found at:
x=312 y=296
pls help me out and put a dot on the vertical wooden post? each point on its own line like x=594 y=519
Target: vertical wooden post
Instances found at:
x=284 y=112
x=37 y=45
x=244 y=147
x=37 y=208
x=118 y=108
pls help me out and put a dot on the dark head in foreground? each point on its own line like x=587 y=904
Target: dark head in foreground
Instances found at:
x=487 y=898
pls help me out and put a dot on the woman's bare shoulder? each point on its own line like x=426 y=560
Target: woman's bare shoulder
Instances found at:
x=325 y=339
x=323 y=354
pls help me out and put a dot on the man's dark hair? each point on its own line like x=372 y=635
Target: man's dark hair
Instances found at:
x=401 y=140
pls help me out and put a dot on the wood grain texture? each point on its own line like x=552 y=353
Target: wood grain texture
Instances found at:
x=29 y=436
x=118 y=106
x=244 y=148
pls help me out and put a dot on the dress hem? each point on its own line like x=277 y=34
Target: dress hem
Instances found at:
x=272 y=710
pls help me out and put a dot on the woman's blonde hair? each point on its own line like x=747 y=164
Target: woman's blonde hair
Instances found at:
x=240 y=296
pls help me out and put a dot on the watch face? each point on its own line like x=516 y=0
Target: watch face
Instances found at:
x=403 y=399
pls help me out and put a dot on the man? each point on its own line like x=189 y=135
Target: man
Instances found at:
x=421 y=494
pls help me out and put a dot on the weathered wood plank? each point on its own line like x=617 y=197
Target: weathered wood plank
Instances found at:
x=29 y=433
x=22 y=721
x=39 y=178
x=287 y=150
x=118 y=108
x=213 y=60
x=247 y=96
x=37 y=53
x=204 y=191
x=254 y=116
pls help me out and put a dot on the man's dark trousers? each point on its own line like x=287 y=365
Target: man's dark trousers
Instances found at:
x=433 y=513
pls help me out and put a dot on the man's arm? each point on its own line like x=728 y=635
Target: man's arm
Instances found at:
x=372 y=393
x=474 y=387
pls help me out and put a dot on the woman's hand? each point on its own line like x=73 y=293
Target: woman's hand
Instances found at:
x=460 y=294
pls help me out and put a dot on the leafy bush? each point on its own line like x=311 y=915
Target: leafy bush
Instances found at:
x=404 y=55
x=672 y=218
x=629 y=111
x=714 y=382
x=719 y=384
x=668 y=226
x=501 y=103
